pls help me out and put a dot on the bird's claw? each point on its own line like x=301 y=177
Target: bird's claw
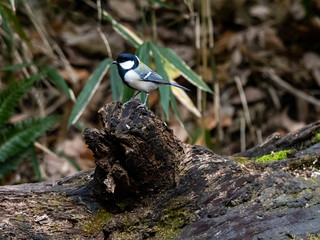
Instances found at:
x=142 y=105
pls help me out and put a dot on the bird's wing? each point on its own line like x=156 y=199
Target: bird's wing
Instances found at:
x=148 y=75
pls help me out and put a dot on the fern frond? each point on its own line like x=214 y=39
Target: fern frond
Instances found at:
x=10 y=97
x=11 y=163
x=21 y=135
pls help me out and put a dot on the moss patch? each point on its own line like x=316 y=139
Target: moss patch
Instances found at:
x=242 y=160
x=307 y=237
x=171 y=223
x=273 y=156
x=95 y=225
x=316 y=138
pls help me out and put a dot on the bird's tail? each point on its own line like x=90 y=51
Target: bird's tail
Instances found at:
x=179 y=86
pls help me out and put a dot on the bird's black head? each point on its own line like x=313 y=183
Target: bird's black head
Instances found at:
x=127 y=61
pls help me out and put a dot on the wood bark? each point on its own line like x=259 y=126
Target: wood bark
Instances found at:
x=149 y=185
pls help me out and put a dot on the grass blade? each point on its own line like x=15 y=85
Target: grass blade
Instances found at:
x=16 y=66
x=70 y=159
x=57 y=80
x=36 y=165
x=88 y=91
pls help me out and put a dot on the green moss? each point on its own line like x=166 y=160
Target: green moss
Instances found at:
x=316 y=138
x=94 y=225
x=171 y=223
x=305 y=161
x=307 y=237
x=242 y=160
x=275 y=156
x=174 y=217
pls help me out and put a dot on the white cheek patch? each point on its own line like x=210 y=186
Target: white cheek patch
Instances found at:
x=127 y=64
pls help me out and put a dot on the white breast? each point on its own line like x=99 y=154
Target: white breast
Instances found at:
x=134 y=81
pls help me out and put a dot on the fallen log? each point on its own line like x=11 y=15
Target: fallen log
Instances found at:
x=149 y=185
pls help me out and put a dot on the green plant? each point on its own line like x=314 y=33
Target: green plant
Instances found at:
x=168 y=64
x=16 y=140
x=274 y=156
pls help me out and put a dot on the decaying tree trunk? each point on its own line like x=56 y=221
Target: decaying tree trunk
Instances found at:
x=147 y=184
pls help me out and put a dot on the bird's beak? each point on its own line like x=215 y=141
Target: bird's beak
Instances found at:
x=114 y=62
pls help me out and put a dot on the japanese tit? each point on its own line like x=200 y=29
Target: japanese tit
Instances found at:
x=135 y=74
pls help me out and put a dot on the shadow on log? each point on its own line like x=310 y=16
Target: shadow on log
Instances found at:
x=149 y=185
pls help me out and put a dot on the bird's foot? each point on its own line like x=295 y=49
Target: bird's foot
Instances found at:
x=127 y=102
x=142 y=105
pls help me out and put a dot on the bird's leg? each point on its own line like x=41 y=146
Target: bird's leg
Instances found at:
x=131 y=98
x=145 y=102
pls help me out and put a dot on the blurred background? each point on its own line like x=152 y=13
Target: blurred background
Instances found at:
x=253 y=67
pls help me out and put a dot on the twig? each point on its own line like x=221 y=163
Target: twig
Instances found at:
x=245 y=108
x=276 y=79
x=50 y=45
x=46 y=150
x=274 y=97
x=103 y=37
x=242 y=133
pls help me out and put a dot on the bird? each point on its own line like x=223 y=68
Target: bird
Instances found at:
x=137 y=75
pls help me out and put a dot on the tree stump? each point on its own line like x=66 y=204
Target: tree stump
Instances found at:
x=149 y=185
x=135 y=153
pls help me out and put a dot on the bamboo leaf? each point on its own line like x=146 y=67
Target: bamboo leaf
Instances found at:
x=143 y=54
x=22 y=135
x=88 y=91
x=185 y=70
x=116 y=83
x=162 y=4
x=171 y=73
x=127 y=93
x=176 y=110
x=179 y=93
x=123 y=31
x=185 y=100
x=164 y=90
x=57 y=80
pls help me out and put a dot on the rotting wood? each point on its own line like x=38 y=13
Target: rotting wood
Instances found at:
x=149 y=185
